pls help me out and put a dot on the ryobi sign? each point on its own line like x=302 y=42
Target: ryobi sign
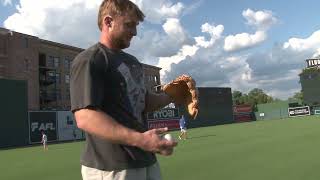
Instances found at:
x=168 y=117
x=169 y=113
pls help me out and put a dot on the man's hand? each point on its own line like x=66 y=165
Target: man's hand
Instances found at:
x=152 y=141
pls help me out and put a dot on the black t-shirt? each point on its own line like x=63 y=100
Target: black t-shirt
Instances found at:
x=114 y=83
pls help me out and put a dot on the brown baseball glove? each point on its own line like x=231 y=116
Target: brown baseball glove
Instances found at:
x=183 y=91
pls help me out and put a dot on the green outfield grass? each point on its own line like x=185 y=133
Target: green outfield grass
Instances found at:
x=286 y=149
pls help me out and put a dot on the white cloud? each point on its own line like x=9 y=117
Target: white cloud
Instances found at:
x=174 y=29
x=64 y=21
x=316 y=54
x=298 y=44
x=158 y=11
x=243 y=40
x=214 y=31
x=238 y=72
x=59 y=20
x=166 y=62
x=171 y=11
x=190 y=50
x=6 y=2
x=192 y=7
x=275 y=71
x=260 y=19
x=157 y=43
x=282 y=86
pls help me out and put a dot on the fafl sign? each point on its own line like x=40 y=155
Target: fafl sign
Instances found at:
x=168 y=117
x=42 y=121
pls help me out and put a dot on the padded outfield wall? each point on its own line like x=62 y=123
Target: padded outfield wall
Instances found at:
x=67 y=128
x=275 y=110
x=13 y=113
x=58 y=126
x=215 y=107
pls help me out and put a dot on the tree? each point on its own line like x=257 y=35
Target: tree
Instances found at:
x=298 y=95
x=236 y=97
x=257 y=96
x=254 y=97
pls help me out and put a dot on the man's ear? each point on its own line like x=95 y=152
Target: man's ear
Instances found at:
x=108 y=21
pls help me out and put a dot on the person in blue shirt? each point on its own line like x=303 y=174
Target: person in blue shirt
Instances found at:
x=183 y=128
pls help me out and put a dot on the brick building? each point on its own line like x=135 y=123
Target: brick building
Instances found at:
x=45 y=66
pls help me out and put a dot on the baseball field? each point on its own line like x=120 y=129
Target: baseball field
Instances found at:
x=285 y=149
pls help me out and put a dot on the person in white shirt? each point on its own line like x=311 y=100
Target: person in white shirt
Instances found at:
x=44 y=141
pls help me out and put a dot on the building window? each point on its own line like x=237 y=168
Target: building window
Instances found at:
x=68 y=94
x=51 y=76
x=67 y=62
x=50 y=62
x=58 y=78
x=56 y=62
x=53 y=62
x=42 y=59
x=155 y=79
x=67 y=79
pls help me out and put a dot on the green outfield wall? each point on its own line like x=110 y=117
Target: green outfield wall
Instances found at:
x=13 y=113
x=215 y=107
x=276 y=110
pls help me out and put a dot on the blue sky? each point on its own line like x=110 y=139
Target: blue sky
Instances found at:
x=297 y=18
x=242 y=44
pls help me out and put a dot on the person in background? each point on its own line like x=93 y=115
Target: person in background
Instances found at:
x=183 y=128
x=44 y=141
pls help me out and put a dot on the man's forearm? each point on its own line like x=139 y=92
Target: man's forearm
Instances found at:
x=156 y=101
x=104 y=126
